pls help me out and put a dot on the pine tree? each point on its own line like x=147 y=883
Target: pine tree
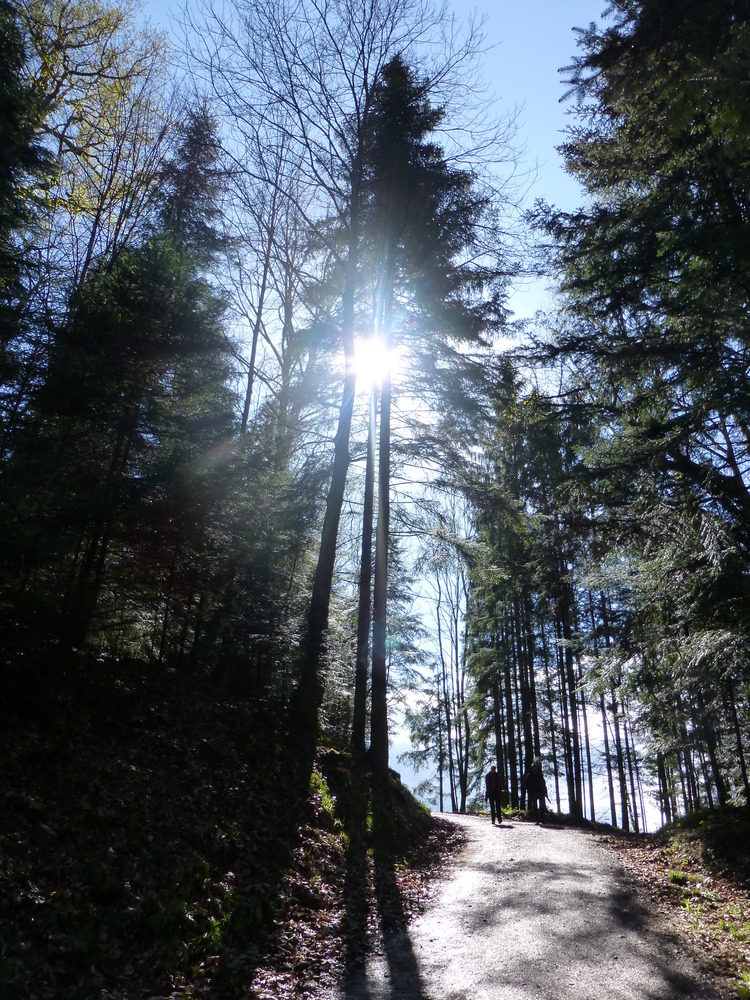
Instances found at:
x=420 y=215
x=134 y=398
x=655 y=273
x=22 y=165
x=657 y=270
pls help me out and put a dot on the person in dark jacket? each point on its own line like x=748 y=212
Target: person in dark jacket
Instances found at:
x=536 y=790
x=493 y=790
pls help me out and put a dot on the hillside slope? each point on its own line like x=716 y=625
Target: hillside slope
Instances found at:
x=155 y=844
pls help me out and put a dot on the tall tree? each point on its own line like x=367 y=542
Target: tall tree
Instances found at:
x=657 y=268
x=421 y=216
x=102 y=120
x=22 y=165
x=654 y=342
x=135 y=393
x=311 y=72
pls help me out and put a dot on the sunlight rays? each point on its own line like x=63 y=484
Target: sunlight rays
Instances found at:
x=373 y=361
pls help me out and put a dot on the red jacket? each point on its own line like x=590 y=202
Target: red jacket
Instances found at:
x=492 y=783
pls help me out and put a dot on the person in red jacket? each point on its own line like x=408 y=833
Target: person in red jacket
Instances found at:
x=493 y=790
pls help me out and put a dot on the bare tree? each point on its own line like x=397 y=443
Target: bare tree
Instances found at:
x=302 y=75
x=269 y=248
x=446 y=588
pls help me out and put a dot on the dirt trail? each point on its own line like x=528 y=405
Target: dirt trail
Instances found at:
x=532 y=913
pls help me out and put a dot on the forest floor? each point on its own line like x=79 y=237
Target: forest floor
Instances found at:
x=697 y=875
x=150 y=849
x=685 y=891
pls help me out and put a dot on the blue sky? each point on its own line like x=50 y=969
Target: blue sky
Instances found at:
x=529 y=43
x=532 y=42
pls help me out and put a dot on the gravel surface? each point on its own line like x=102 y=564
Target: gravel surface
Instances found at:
x=531 y=912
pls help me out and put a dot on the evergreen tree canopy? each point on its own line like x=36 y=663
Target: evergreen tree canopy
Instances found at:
x=657 y=268
x=434 y=267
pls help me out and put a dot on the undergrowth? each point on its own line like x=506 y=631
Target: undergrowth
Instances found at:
x=699 y=870
x=153 y=845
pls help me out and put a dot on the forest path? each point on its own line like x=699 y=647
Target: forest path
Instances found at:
x=531 y=912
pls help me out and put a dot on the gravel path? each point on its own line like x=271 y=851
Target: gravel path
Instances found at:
x=532 y=913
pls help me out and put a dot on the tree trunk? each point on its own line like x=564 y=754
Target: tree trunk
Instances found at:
x=550 y=708
x=444 y=677
x=308 y=696
x=379 y=712
x=620 y=767
x=602 y=704
x=608 y=760
x=738 y=739
x=364 y=617
x=587 y=747
x=88 y=584
x=259 y=311
x=464 y=714
x=497 y=716
x=630 y=754
x=576 y=805
x=665 y=805
x=509 y=715
x=441 y=751
x=711 y=745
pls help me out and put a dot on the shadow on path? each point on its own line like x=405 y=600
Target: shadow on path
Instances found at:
x=528 y=913
x=551 y=915
x=401 y=977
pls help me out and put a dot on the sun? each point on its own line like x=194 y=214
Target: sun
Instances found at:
x=372 y=361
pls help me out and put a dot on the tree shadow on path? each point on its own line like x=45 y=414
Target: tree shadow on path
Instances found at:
x=400 y=979
x=564 y=922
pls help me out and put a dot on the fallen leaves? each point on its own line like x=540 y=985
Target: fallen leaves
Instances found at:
x=713 y=907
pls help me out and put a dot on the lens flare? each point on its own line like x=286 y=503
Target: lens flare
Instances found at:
x=373 y=361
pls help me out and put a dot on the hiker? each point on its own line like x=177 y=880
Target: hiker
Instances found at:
x=536 y=790
x=493 y=790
